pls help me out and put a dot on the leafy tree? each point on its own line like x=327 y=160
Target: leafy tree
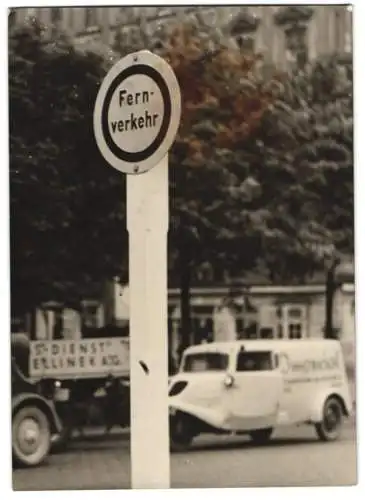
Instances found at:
x=301 y=159
x=262 y=167
x=308 y=142
x=67 y=207
x=223 y=102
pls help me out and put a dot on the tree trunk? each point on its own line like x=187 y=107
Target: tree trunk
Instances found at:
x=185 y=282
x=329 y=332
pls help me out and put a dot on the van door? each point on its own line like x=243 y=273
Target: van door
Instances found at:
x=254 y=396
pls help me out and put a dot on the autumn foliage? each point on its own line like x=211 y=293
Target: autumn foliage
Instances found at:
x=219 y=83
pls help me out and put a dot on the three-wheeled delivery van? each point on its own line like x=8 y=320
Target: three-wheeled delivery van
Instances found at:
x=253 y=386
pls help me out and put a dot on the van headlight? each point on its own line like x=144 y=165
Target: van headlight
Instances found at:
x=228 y=381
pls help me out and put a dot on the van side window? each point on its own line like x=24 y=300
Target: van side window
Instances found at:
x=203 y=362
x=254 y=361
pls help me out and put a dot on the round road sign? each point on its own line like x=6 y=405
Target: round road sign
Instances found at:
x=137 y=112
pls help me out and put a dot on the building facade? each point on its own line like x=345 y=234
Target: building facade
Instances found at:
x=280 y=312
x=259 y=312
x=277 y=32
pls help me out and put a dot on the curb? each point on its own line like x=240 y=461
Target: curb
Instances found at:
x=92 y=433
x=96 y=433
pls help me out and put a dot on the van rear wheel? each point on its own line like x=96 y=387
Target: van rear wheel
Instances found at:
x=330 y=427
x=261 y=436
x=180 y=435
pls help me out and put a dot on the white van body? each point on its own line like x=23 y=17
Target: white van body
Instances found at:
x=254 y=386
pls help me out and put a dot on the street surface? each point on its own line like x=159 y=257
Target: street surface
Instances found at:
x=294 y=457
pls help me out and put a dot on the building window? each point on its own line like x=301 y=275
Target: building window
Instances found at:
x=133 y=36
x=31 y=13
x=251 y=330
x=56 y=18
x=297 y=44
x=266 y=333
x=163 y=12
x=12 y=18
x=239 y=325
x=295 y=322
x=58 y=324
x=268 y=320
x=202 y=323
x=246 y=42
x=56 y=15
x=295 y=313
x=243 y=28
x=90 y=315
x=208 y=16
x=294 y=22
x=348 y=42
x=295 y=330
x=339 y=27
x=284 y=321
x=91 y=17
x=128 y=15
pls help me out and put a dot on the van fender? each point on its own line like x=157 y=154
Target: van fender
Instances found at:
x=319 y=401
x=29 y=398
x=214 y=418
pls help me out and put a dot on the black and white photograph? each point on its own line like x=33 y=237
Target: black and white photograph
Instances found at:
x=182 y=246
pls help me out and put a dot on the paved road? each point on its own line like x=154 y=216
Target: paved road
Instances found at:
x=293 y=458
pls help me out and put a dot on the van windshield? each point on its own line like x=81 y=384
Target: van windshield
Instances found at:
x=252 y=361
x=207 y=361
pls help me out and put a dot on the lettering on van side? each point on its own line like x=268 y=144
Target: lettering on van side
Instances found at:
x=309 y=365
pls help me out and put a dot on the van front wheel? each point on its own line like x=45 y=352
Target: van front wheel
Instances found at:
x=329 y=428
x=180 y=434
x=261 y=436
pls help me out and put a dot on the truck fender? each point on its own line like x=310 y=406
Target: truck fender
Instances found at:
x=26 y=398
x=319 y=401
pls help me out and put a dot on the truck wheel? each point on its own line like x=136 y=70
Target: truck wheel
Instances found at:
x=31 y=436
x=329 y=428
x=261 y=436
x=180 y=436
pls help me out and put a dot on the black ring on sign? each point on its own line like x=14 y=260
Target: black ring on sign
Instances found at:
x=138 y=69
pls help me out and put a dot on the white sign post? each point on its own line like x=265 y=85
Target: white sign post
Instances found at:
x=136 y=117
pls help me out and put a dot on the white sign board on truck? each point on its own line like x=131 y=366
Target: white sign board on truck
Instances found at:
x=79 y=358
